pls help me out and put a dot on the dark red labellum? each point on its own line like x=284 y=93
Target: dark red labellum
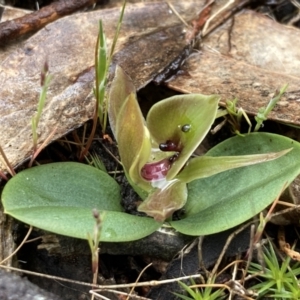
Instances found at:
x=157 y=170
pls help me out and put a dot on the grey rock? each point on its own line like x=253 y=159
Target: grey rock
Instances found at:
x=14 y=287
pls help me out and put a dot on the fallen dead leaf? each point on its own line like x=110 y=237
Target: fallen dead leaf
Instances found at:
x=248 y=58
x=285 y=247
x=10 y=13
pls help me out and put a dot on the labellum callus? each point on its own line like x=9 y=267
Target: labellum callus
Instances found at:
x=169 y=146
x=173 y=157
x=157 y=170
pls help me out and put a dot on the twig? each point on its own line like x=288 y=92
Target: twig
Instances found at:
x=13 y=29
x=44 y=144
x=19 y=247
x=120 y=293
x=228 y=241
x=141 y=273
x=103 y=287
x=225 y=13
x=8 y=164
x=177 y=14
x=223 y=8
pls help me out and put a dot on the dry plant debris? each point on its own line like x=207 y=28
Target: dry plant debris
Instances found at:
x=248 y=58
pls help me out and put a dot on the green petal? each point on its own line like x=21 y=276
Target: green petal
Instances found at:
x=120 y=89
x=133 y=140
x=162 y=202
x=167 y=120
x=205 y=166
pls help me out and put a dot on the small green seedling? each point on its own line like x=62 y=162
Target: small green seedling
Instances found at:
x=264 y=111
x=278 y=279
x=45 y=82
x=103 y=59
x=206 y=293
x=231 y=183
x=235 y=116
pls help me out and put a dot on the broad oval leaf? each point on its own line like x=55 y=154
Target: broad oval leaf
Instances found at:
x=66 y=184
x=184 y=120
x=227 y=199
x=60 y=197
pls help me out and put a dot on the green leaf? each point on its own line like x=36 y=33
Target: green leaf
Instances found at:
x=227 y=199
x=60 y=198
x=205 y=166
x=166 y=119
x=78 y=222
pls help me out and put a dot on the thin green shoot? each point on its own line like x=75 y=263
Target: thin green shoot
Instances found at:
x=264 y=111
x=116 y=36
x=236 y=115
x=112 y=51
x=221 y=113
x=102 y=63
x=96 y=162
x=292 y=290
x=41 y=147
x=205 y=293
x=45 y=82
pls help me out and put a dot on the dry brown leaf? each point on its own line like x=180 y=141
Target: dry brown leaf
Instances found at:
x=151 y=37
x=288 y=209
x=10 y=13
x=285 y=247
x=248 y=58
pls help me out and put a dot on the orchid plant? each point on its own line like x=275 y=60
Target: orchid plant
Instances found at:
x=156 y=152
x=231 y=183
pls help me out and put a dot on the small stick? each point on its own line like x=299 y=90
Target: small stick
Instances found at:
x=44 y=144
x=102 y=287
x=228 y=241
x=223 y=14
x=13 y=29
x=19 y=247
x=8 y=164
x=132 y=289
